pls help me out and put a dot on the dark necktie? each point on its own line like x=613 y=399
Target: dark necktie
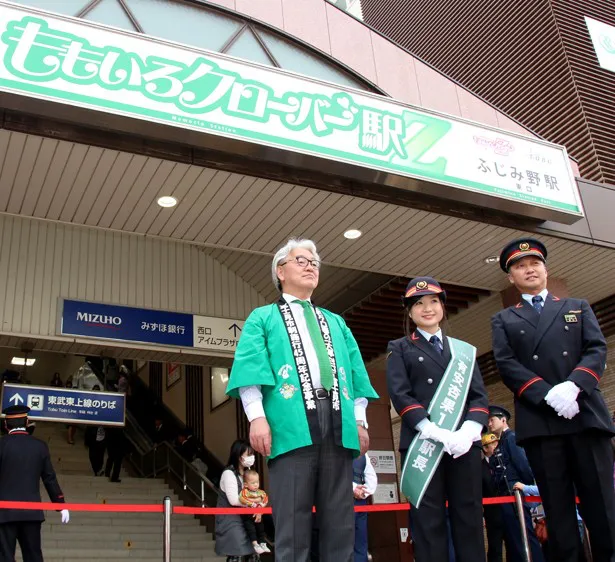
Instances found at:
x=537 y=303
x=435 y=341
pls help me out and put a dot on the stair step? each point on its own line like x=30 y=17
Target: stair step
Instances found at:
x=109 y=536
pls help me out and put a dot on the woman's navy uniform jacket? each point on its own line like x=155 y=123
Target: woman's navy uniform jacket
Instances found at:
x=414 y=371
x=534 y=352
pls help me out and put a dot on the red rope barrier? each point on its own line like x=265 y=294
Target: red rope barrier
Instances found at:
x=118 y=508
x=183 y=510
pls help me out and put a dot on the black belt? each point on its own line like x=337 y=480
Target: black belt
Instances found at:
x=321 y=394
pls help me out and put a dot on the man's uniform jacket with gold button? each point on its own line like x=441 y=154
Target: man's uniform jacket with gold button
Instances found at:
x=534 y=352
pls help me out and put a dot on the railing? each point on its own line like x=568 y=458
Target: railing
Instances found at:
x=163 y=459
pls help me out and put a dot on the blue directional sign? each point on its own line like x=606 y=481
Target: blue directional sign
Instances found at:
x=49 y=403
x=94 y=320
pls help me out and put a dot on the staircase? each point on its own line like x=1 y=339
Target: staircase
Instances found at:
x=98 y=537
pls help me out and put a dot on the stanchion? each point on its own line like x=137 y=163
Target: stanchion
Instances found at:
x=521 y=514
x=166 y=540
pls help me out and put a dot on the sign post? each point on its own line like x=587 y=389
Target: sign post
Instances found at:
x=48 y=403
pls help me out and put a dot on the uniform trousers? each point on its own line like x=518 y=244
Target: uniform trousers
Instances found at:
x=28 y=534
x=459 y=482
x=568 y=465
x=318 y=475
x=495 y=532
x=360 y=533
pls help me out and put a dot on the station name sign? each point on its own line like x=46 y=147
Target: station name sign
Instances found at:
x=143 y=325
x=83 y=64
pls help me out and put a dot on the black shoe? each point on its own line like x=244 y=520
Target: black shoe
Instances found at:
x=114 y=480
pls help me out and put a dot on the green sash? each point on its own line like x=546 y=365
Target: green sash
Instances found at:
x=445 y=409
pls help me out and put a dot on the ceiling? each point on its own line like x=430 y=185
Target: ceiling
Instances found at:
x=242 y=220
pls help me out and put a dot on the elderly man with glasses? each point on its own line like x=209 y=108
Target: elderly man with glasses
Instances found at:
x=304 y=388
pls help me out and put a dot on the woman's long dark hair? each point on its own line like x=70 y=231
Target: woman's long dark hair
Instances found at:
x=410 y=326
x=238 y=448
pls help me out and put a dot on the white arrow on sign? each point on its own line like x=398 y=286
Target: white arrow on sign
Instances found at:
x=16 y=398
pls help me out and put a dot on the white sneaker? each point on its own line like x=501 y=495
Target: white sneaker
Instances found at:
x=265 y=547
x=259 y=549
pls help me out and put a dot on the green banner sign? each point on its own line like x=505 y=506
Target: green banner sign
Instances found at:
x=445 y=410
x=79 y=63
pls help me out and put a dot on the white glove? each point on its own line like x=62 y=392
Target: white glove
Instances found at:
x=429 y=430
x=570 y=411
x=65 y=516
x=461 y=440
x=562 y=397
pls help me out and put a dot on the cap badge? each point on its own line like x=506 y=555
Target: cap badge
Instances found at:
x=524 y=246
x=421 y=285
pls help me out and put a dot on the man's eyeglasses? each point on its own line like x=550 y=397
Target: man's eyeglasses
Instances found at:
x=302 y=261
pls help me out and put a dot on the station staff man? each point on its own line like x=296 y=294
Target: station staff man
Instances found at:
x=551 y=353
x=509 y=465
x=24 y=461
x=304 y=388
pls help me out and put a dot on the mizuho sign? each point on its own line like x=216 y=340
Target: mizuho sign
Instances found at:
x=83 y=64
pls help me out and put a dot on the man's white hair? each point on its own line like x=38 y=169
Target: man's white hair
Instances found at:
x=285 y=251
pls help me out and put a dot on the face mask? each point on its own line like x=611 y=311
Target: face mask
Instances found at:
x=248 y=461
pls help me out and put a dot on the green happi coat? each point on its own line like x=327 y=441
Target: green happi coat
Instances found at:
x=265 y=357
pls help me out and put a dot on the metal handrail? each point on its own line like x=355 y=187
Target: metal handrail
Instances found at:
x=162 y=458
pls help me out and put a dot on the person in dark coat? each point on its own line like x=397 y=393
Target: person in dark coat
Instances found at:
x=509 y=465
x=417 y=365
x=116 y=447
x=24 y=462
x=551 y=354
x=491 y=513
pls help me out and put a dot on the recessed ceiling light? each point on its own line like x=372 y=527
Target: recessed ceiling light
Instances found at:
x=23 y=361
x=167 y=201
x=352 y=234
x=489 y=260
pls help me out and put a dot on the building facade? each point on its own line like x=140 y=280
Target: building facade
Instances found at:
x=156 y=153
x=536 y=61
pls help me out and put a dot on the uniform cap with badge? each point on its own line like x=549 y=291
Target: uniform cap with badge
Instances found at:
x=16 y=412
x=499 y=411
x=522 y=248
x=421 y=286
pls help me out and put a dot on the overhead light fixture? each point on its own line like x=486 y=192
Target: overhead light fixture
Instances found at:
x=352 y=234
x=489 y=260
x=23 y=361
x=167 y=201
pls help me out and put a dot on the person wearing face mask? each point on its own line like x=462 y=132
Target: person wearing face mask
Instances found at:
x=232 y=539
x=437 y=389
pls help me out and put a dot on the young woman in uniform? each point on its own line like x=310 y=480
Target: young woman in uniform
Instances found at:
x=437 y=390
